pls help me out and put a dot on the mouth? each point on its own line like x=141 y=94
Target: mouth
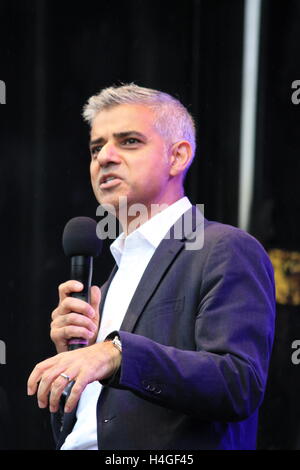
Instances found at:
x=109 y=181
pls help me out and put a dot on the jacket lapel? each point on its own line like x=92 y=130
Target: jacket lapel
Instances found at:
x=159 y=263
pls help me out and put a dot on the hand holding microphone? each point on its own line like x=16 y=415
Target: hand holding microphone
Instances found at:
x=75 y=321
x=74 y=318
x=74 y=325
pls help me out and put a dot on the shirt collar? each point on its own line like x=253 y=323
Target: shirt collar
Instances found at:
x=154 y=230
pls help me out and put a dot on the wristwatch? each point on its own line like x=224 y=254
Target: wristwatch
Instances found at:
x=117 y=343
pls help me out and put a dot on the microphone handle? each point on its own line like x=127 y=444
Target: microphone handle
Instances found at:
x=81 y=270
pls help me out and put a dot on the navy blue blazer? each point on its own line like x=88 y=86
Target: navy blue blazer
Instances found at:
x=197 y=339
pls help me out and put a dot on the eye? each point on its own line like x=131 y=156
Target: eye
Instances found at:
x=95 y=150
x=131 y=141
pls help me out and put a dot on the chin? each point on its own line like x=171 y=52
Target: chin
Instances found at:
x=111 y=199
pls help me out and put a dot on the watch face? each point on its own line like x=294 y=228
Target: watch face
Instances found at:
x=116 y=341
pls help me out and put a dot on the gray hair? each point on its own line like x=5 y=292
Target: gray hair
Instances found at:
x=173 y=121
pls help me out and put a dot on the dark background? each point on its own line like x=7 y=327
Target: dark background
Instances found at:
x=54 y=55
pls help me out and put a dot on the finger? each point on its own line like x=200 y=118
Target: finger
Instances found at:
x=71 y=304
x=73 y=319
x=66 y=288
x=61 y=336
x=57 y=389
x=75 y=332
x=95 y=298
x=36 y=375
x=46 y=384
x=75 y=394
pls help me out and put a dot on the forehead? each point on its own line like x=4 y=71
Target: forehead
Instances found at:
x=122 y=118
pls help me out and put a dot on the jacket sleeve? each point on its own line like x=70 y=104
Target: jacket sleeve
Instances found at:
x=224 y=378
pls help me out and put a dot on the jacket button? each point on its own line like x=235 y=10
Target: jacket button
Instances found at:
x=145 y=384
x=108 y=420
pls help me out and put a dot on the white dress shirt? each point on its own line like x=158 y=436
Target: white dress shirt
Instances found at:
x=132 y=255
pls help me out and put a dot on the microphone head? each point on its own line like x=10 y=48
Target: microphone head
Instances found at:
x=80 y=238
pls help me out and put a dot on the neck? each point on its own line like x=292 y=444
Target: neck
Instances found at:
x=133 y=215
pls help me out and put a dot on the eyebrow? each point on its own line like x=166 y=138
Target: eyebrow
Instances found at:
x=119 y=135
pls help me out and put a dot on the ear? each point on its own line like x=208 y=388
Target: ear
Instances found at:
x=180 y=158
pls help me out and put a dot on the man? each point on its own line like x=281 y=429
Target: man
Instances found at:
x=179 y=358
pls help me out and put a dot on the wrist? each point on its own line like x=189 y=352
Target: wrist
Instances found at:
x=116 y=348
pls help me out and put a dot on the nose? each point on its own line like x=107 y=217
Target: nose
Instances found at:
x=108 y=154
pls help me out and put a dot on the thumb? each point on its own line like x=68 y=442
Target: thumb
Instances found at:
x=95 y=299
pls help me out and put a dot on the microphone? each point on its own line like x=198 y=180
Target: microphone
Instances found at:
x=81 y=244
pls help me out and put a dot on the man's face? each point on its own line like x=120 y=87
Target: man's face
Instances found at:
x=129 y=157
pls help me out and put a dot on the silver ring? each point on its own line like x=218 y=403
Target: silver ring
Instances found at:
x=65 y=376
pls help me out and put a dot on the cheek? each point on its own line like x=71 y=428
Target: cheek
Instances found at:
x=150 y=180
x=151 y=165
x=157 y=171
x=93 y=171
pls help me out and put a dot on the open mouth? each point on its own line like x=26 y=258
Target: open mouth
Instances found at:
x=109 y=181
